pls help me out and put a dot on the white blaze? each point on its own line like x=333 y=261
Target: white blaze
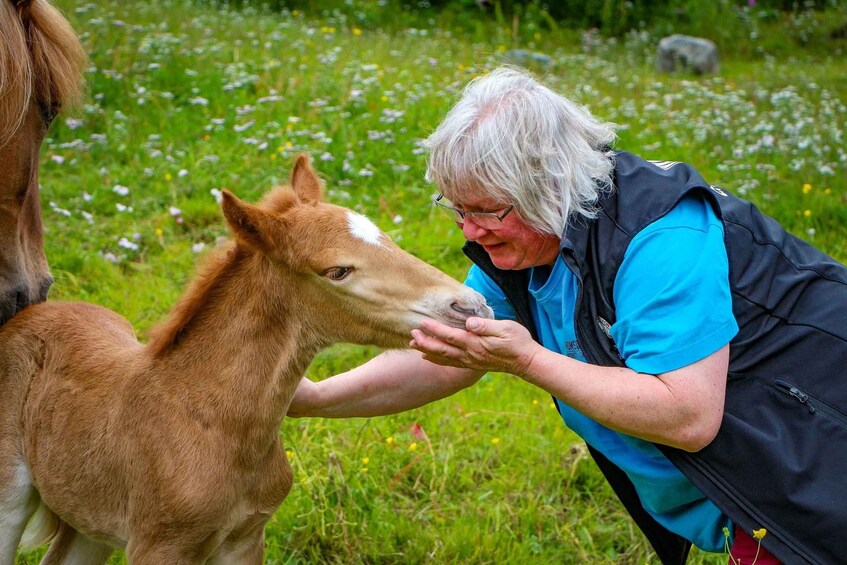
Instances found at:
x=364 y=229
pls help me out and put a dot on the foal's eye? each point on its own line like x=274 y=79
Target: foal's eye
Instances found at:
x=338 y=273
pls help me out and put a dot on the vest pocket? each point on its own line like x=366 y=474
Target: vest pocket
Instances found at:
x=779 y=462
x=811 y=402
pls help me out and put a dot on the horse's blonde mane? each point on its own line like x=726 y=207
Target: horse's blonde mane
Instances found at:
x=41 y=56
x=216 y=267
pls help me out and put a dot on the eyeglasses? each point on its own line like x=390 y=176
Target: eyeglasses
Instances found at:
x=485 y=220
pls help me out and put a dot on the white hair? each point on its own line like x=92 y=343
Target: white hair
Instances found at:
x=512 y=139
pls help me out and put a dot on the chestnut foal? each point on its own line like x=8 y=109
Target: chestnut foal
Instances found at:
x=171 y=450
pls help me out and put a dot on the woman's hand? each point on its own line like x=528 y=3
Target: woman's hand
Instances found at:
x=487 y=345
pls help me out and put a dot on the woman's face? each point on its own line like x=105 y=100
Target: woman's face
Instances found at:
x=512 y=245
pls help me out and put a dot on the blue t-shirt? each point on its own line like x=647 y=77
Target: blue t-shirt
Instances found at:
x=673 y=307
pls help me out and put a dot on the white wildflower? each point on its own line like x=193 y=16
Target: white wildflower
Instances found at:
x=127 y=244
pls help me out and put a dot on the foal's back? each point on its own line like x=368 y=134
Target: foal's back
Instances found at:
x=63 y=345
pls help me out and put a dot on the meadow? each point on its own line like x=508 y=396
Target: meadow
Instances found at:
x=188 y=98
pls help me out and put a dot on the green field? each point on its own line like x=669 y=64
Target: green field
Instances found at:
x=186 y=98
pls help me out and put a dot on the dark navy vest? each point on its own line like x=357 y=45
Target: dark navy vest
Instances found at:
x=779 y=460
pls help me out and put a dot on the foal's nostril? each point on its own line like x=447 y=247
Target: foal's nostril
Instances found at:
x=470 y=311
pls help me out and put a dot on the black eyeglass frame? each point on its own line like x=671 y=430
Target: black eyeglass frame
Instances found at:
x=462 y=213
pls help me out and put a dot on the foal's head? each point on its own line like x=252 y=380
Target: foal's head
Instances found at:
x=41 y=62
x=346 y=277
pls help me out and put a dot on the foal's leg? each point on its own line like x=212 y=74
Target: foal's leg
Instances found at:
x=247 y=551
x=18 y=502
x=158 y=554
x=70 y=547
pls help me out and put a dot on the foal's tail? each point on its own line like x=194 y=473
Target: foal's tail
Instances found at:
x=41 y=528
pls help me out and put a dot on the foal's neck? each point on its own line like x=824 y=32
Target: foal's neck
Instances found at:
x=236 y=346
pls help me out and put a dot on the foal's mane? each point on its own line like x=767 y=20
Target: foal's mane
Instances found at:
x=41 y=57
x=214 y=270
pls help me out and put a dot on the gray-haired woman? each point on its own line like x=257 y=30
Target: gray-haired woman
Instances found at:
x=696 y=347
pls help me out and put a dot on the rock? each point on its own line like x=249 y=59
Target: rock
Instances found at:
x=687 y=53
x=526 y=58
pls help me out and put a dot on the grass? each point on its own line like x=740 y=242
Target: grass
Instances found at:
x=187 y=98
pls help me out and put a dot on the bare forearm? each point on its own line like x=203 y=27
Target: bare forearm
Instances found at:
x=678 y=409
x=392 y=382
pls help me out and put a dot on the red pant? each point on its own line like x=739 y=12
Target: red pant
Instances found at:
x=744 y=549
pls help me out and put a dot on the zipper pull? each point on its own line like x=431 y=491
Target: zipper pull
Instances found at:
x=802 y=397
x=606 y=328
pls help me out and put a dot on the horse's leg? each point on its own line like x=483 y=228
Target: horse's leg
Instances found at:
x=152 y=553
x=18 y=502
x=249 y=550
x=70 y=547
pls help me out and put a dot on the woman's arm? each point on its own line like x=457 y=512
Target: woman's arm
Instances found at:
x=391 y=382
x=681 y=408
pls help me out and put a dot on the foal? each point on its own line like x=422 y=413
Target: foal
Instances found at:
x=171 y=450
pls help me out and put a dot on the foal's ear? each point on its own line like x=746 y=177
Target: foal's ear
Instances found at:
x=249 y=224
x=305 y=182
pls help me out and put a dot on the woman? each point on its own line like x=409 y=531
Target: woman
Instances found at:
x=697 y=347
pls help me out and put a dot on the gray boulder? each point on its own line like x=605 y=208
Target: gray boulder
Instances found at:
x=525 y=58
x=687 y=53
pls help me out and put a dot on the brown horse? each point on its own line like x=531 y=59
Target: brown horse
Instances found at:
x=171 y=450
x=41 y=63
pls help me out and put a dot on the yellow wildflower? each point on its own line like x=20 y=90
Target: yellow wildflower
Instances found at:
x=413 y=446
x=365 y=460
x=389 y=440
x=168 y=177
x=807 y=188
x=289 y=453
x=495 y=441
x=760 y=533
x=807 y=213
x=357 y=31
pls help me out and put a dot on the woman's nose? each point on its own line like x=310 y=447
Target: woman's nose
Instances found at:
x=471 y=230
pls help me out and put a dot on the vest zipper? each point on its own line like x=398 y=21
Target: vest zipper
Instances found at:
x=587 y=346
x=812 y=403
